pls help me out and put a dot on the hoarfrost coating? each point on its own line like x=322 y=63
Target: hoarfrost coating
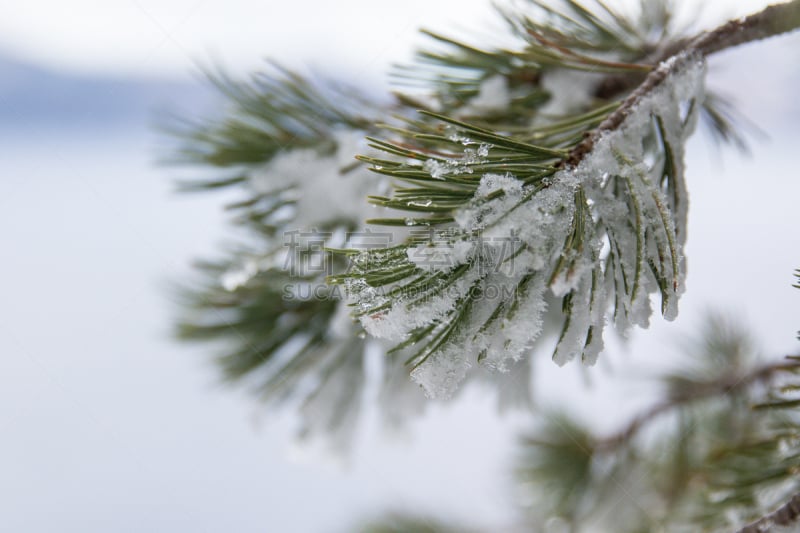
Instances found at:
x=624 y=204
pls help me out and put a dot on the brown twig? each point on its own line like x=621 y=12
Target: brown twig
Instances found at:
x=702 y=391
x=785 y=515
x=773 y=20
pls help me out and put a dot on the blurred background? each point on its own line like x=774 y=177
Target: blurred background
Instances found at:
x=107 y=424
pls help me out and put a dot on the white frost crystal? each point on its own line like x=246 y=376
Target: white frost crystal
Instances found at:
x=623 y=212
x=439 y=168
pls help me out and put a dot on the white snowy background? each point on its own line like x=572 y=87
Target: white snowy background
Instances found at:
x=106 y=424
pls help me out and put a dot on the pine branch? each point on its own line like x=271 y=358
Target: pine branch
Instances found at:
x=484 y=185
x=495 y=186
x=698 y=391
x=720 y=455
x=479 y=177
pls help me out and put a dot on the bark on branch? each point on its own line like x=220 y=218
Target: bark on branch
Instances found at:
x=786 y=515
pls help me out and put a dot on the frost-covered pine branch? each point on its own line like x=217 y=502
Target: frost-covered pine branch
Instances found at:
x=540 y=181
x=580 y=202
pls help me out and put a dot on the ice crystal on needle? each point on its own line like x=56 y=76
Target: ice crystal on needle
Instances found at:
x=601 y=236
x=438 y=169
